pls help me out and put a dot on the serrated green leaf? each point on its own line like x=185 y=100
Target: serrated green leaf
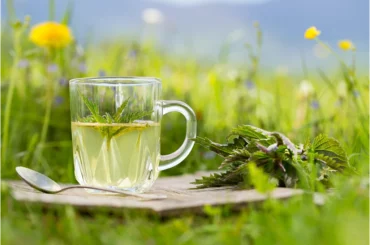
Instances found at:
x=238 y=155
x=238 y=143
x=108 y=118
x=252 y=145
x=220 y=149
x=131 y=116
x=93 y=108
x=330 y=151
x=250 y=132
x=120 y=109
x=281 y=139
x=109 y=131
x=127 y=117
x=231 y=177
x=328 y=161
x=86 y=119
x=261 y=157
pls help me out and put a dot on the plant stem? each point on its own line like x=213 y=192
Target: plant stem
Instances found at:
x=45 y=125
x=9 y=99
x=331 y=51
x=353 y=61
x=358 y=107
x=8 y=106
x=49 y=103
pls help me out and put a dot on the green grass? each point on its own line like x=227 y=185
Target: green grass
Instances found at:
x=222 y=99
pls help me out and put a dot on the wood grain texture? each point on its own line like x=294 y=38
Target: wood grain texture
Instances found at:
x=181 y=197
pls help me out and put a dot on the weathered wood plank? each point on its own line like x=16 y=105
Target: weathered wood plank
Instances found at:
x=178 y=189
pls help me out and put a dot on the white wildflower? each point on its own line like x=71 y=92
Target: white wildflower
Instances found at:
x=152 y=16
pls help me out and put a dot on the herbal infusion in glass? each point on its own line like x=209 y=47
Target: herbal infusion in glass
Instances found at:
x=125 y=159
x=116 y=132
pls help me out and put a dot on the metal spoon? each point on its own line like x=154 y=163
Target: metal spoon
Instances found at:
x=45 y=184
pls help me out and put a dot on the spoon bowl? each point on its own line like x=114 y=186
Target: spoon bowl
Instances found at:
x=45 y=184
x=37 y=180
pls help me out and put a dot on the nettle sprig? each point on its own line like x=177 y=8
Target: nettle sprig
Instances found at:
x=110 y=125
x=286 y=164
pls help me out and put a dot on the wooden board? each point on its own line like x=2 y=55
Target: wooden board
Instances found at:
x=178 y=189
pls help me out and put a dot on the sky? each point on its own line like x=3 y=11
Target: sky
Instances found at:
x=200 y=2
x=200 y=27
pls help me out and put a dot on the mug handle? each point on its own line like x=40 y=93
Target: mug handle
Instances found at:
x=173 y=159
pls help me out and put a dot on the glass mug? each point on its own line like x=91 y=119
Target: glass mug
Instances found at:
x=116 y=131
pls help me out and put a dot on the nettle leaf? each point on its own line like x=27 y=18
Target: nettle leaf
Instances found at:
x=118 y=117
x=131 y=116
x=221 y=149
x=250 y=132
x=261 y=158
x=232 y=176
x=328 y=161
x=86 y=119
x=108 y=118
x=252 y=145
x=283 y=140
x=329 y=150
x=118 y=114
x=238 y=143
x=237 y=156
x=110 y=131
x=93 y=108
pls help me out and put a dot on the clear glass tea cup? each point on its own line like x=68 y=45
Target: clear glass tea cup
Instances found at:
x=116 y=125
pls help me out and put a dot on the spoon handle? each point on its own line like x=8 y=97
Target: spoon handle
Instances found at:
x=145 y=196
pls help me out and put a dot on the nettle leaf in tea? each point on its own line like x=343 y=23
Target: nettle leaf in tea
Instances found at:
x=284 y=163
x=120 y=122
x=120 y=116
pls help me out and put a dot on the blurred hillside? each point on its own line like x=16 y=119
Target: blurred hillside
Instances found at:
x=200 y=27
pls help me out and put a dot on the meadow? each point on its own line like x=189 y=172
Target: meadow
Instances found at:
x=36 y=133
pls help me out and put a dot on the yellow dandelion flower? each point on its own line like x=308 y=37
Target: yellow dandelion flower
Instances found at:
x=346 y=45
x=312 y=33
x=51 y=35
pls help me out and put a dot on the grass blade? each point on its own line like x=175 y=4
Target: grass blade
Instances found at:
x=51 y=10
x=67 y=14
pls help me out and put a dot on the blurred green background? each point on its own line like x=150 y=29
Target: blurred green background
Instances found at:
x=310 y=88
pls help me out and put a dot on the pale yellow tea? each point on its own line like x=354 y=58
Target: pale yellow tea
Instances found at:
x=124 y=156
